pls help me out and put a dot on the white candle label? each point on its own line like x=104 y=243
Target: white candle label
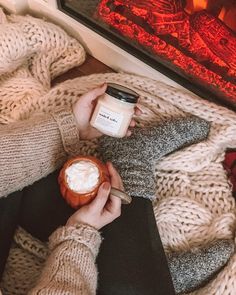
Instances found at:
x=108 y=120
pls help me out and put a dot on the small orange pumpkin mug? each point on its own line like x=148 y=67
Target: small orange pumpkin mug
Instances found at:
x=76 y=199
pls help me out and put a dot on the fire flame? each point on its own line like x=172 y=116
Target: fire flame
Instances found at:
x=229 y=17
x=222 y=14
x=210 y=45
x=226 y=12
x=195 y=5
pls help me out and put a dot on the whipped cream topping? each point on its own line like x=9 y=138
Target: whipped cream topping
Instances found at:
x=82 y=177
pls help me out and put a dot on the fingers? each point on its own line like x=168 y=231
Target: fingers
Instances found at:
x=94 y=93
x=128 y=133
x=99 y=90
x=102 y=196
x=114 y=205
x=132 y=123
x=116 y=180
x=137 y=111
x=90 y=133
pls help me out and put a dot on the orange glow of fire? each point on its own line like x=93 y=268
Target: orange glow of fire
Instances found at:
x=226 y=14
x=195 y=5
x=204 y=65
x=222 y=13
x=229 y=17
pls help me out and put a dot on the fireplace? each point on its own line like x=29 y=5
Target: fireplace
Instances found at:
x=192 y=42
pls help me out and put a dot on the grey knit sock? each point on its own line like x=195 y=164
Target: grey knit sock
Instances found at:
x=191 y=270
x=134 y=156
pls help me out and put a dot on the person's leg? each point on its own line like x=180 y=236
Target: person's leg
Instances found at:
x=131 y=261
x=9 y=217
x=43 y=208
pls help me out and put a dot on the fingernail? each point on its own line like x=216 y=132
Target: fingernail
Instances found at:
x=106 y=186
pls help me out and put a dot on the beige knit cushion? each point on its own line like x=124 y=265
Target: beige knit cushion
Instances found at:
x=194 y=202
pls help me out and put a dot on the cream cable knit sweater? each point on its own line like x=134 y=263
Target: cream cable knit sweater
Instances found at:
x=31 y=149
x=70 y=269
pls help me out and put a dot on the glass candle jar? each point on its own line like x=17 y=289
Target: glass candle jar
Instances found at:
x=114 y=110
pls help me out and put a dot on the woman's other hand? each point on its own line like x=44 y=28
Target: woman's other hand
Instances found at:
x=84 y=108
x=104 y=208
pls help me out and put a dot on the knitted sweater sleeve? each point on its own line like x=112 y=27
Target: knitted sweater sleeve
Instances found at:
x=33 y=148
x=70 y=268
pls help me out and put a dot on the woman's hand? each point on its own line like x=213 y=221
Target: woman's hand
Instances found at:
x=104 y=208
x=83 y=110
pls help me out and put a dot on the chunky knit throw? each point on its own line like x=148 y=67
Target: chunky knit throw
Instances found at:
x=195 y=204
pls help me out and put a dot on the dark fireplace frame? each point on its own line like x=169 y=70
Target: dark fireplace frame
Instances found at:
x=122 y=42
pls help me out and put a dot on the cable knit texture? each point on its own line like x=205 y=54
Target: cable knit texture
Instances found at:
x=70 y=268
x=32 y=53
x=34 y=148
x=194 y=204
x=68 y=128
x=26 y=253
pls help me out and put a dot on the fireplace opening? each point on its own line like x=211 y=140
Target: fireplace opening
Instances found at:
x=191 y=41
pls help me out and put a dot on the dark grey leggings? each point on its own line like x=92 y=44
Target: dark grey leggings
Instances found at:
x=131 y=260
